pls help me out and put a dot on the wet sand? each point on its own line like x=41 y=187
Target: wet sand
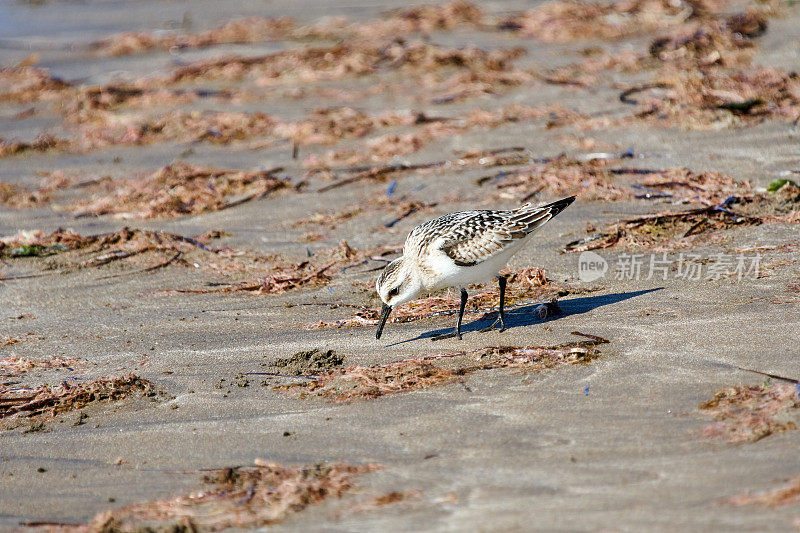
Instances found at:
x=612 y=445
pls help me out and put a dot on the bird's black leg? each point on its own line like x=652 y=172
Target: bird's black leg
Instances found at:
x=457 y=331
x=461 y=311
x=501 y=315
x=501 y=280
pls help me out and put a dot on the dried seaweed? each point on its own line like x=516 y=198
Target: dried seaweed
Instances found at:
x=90 y=110
x=750 y=413
x=282 y=276
x=696 y=45
x=382 y=172
x=276 y=275
x=570 y=20
x=715 y=98
x=382 y=148
x=359 y=382
x=662 y=231
x=585 y=73
x=793 y=287
x=387 y=499
x=788 y=494
x=175 y=190
x=7 y=362
x=47 y=402
x=42 y=143
x=100 y=128
x=429 y=18
x=389 y=146
x=59 y=240
x=348 y=59
x=308 y=64
x=396 y=23
x=332 y=220
x=84 y=104
x=247 y=30
x=592 y=180
x=75 y=251
x=400 y=207
x=178 y=189
x=692 y=89
x=363 y=52
x=19 y=196
x=329 y=125
x=12 y=195
x=782 y=206
x=25 y=84
x=726 y=42
x=373 y=48
x=472 y=83
x=376 y=381
x=538 y=358
x=237 y=497
x=675 y=229
x=279 y=279
x=684 y=185
x=16 y=366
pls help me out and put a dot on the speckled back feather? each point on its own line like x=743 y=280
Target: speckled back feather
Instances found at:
x=470 y=237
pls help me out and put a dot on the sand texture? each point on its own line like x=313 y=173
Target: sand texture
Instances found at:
x=196 y=199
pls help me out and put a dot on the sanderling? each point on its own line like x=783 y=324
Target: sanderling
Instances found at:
x=458 y=249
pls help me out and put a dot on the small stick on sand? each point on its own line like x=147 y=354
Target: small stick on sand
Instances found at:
x=148 y=269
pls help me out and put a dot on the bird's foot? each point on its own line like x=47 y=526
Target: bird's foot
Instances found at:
x=500 y=320
x=450 y=335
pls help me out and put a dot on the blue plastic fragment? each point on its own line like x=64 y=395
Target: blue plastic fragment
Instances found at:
x=724 y=207
x=586 y=390
x=499 y=177
x=392 y=187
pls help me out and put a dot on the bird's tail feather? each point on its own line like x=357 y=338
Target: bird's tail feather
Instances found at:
x=531 y=217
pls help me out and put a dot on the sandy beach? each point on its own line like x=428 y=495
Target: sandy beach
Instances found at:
x=196 y=200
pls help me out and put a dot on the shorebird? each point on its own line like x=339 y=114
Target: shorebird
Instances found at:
x=458 y=249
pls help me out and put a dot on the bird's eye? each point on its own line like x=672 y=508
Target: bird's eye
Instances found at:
x=394 y=292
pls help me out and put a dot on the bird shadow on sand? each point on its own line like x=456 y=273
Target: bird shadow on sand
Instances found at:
x=527 y=315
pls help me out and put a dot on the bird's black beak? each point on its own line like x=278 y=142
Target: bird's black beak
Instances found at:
x=385 y=310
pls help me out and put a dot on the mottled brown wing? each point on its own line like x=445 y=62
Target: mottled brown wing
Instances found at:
x=475 y=239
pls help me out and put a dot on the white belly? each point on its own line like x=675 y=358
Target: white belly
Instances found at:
x=447 y=274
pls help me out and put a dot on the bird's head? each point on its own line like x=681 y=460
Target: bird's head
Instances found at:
x=397 y=284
